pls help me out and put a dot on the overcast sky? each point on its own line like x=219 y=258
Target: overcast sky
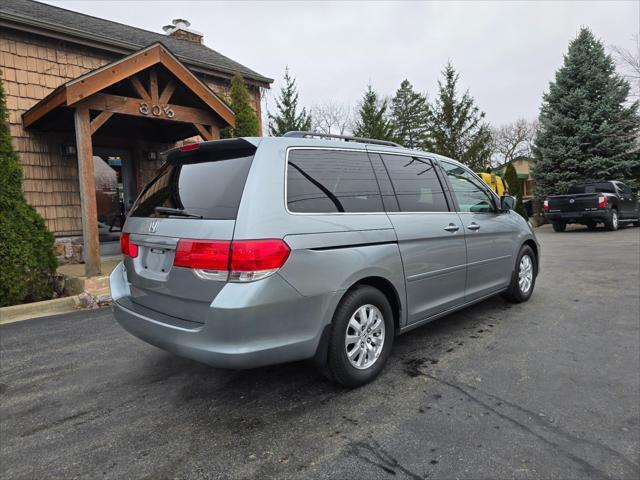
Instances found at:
x=506 y=52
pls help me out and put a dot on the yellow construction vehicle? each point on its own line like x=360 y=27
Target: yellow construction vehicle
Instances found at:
x=496 y=182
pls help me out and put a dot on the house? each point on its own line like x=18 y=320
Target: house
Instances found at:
x=523 y=166
x=91 y=105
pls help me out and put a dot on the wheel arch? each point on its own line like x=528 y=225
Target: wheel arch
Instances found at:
x=534 y=246
x=389 y=291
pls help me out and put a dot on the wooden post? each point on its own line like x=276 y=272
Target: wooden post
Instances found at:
x=86 y=177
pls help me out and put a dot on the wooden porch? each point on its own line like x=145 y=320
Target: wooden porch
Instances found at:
x=147 y=96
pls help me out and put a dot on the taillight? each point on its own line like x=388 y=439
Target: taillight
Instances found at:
x=202 y=255
x=126 y=247
x=602 y=201
x=236 y=261
x=255 y=259
x=189 y=147
x=545 y=206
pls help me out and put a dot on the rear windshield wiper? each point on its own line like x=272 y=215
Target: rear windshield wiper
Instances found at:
x=176 y=212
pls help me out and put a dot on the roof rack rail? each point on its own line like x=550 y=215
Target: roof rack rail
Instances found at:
x=345 y=138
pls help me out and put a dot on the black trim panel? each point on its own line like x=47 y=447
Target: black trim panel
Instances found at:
x=354 y=245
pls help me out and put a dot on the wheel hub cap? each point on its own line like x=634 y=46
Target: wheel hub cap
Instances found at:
x=525 y=273
x=364 y=337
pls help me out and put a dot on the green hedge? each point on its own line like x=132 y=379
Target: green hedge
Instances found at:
x=26 y=246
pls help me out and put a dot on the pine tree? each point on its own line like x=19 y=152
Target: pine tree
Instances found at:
x=587 y=130
x=288 y=119
x=26 y=257
x=457 y=127
x=515 y=189
x=410 y=116
x=247 y=124
x=372 y=121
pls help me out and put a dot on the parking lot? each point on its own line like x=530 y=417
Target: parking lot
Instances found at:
x=544 y=389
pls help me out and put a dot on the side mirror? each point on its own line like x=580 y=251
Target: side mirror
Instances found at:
x=507 y=202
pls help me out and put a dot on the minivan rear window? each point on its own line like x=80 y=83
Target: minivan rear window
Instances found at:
x=205 y=183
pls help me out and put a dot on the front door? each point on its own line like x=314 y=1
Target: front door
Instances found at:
x=489 y=234
x=430 y=236
x=115 y=193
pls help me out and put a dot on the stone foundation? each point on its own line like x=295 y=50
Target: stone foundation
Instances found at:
x=68 y=250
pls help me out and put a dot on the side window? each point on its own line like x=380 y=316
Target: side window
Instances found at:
x=388 y=195
x=329 y=181
x=415 y=183
x=471 y=195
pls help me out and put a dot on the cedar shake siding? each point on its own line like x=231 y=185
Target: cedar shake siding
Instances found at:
x=33 y=64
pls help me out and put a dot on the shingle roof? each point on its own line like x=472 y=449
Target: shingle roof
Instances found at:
x=118 y=34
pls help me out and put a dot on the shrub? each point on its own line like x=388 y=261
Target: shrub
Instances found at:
x=26 y=246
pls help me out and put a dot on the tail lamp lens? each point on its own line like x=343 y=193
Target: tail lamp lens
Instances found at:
x=126 y=247
x=602 y=201
x=545 y=205
x=202 y=255
x=243 y=260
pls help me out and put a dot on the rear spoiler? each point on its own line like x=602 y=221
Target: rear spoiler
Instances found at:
x=210 y=151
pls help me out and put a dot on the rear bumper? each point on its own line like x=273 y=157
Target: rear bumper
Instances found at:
x=248 y=325
x=579 y=217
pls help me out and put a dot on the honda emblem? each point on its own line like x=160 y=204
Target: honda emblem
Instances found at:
x=153 y=226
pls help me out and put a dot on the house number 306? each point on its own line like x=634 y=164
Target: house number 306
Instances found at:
x=156 y=110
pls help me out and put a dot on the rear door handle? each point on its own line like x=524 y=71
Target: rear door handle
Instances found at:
x=474 y=226
x=452 y=228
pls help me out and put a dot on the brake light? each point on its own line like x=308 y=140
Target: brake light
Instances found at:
x=236 y=261
x=189 y=147
x=545 y=206
x=602 y=201
x=126 y=247
x=254 y=259
x=202 y=255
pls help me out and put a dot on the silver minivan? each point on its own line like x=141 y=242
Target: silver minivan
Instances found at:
x=256 y=251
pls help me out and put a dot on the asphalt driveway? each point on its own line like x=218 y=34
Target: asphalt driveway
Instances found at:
x=545 y=389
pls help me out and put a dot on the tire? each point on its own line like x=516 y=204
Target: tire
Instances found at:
x=559 y=226
x=611 y=223
x=520 y=291
x=339 y=366
x=592 y=226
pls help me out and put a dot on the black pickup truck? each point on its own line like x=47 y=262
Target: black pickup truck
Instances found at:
x=612 y=203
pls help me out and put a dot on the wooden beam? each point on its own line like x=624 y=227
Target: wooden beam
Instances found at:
x=133 y=106
x=153 y=87
x=205 y=133
x=103 y=77
x=100 y=120
x=197 y=87
x=137 y=85
x=167 y=92
x=54 y=100
x=86 y=177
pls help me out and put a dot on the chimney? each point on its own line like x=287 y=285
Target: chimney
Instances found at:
x=179 y=28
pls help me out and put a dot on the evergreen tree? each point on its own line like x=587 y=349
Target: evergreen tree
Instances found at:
x=26 y=256
x=372 y=121
x=410 y=116
x=457 y=127
x=288 y=119
x=587 y=129
x=247 y=124
x=515 y=189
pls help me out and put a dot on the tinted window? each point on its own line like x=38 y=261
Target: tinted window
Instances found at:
x=327 y=181
x=198 y=184
x=470 y=192
x=416 y=184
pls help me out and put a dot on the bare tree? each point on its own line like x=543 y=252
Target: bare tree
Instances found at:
x=513 y=140
x=331 y=118
x=630 y=64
